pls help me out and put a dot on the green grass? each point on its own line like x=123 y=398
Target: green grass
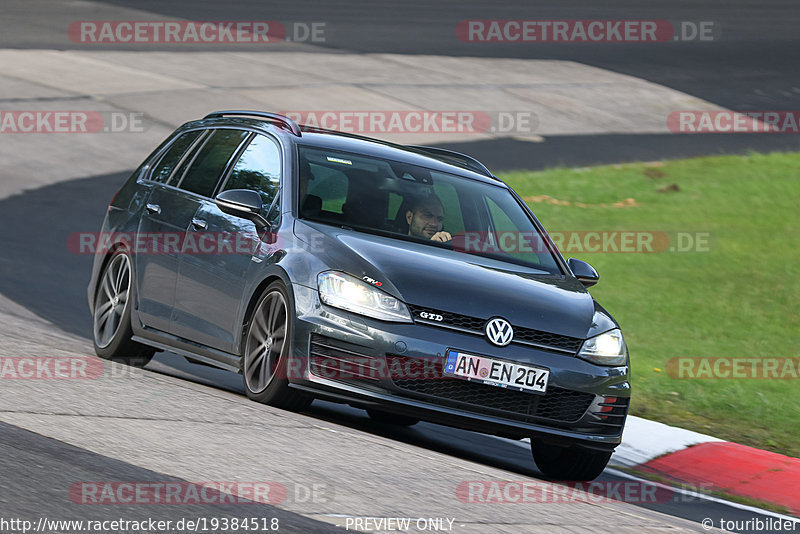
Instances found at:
x=739 y=299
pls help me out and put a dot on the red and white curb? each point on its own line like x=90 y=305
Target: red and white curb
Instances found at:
x=644 y=440
x=702 y=461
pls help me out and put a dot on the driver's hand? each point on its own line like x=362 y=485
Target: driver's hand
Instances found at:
x=442 y=236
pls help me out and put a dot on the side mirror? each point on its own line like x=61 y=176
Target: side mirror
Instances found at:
x=584 y=272
x=242 y=203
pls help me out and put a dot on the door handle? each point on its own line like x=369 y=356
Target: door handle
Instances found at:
x=199 y=224
x=154 y=208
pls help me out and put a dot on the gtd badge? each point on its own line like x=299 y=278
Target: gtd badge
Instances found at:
x=431 y=316
x=499 y=332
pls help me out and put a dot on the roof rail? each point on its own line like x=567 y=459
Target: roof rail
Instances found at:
x=468 y=161
x=274 y=117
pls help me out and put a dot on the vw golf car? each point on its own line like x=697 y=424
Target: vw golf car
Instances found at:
x=408 y=281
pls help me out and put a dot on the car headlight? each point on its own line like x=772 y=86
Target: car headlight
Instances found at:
x=605 y=349
x=349 y=293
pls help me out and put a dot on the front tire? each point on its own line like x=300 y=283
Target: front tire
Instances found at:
x=569 y=463
x=267 y=347
x=111 y=320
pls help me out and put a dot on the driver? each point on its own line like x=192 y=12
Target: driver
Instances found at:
x=425 y=218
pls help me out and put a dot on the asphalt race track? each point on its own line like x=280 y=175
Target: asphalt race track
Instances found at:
x=58 y=466
x=751 y=65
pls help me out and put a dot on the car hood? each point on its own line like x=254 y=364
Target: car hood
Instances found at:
x=453 y=281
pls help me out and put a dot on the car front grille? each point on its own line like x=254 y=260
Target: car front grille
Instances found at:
x=558 y=404
x=475 y=326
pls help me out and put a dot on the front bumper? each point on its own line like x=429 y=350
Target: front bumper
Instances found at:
x=397 y=367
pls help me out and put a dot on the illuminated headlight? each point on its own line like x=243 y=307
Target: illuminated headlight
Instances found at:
x=605 y=349
x=349 y=293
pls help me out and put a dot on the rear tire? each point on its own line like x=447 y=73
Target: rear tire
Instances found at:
x=569 y=463
x=391 y=419
x=267 y=347
x=111 y=320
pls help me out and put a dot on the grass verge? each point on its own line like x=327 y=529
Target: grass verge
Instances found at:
x=734 y=296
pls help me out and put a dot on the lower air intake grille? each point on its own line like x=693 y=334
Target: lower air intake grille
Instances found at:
x=611 y=414
x=339 y=360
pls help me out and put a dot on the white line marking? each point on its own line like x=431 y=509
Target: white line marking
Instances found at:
x=694 y=494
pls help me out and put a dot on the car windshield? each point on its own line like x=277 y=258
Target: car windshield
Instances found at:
x=414 y=203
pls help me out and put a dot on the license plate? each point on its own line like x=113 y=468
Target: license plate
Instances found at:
x=496 y=372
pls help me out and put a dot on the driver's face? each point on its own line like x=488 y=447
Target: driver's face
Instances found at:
x=426 y=221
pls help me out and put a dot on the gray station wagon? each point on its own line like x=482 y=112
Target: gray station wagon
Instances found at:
x=405 y=280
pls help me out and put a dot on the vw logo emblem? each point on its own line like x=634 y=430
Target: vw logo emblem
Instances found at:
x=499 y=332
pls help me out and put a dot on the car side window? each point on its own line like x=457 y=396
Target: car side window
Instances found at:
x=211 y=161
x=259 y=170
x=170 y=159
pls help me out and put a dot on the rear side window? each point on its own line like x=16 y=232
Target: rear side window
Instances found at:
x=259 y=170
x=210 y=162
x=170 y=159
